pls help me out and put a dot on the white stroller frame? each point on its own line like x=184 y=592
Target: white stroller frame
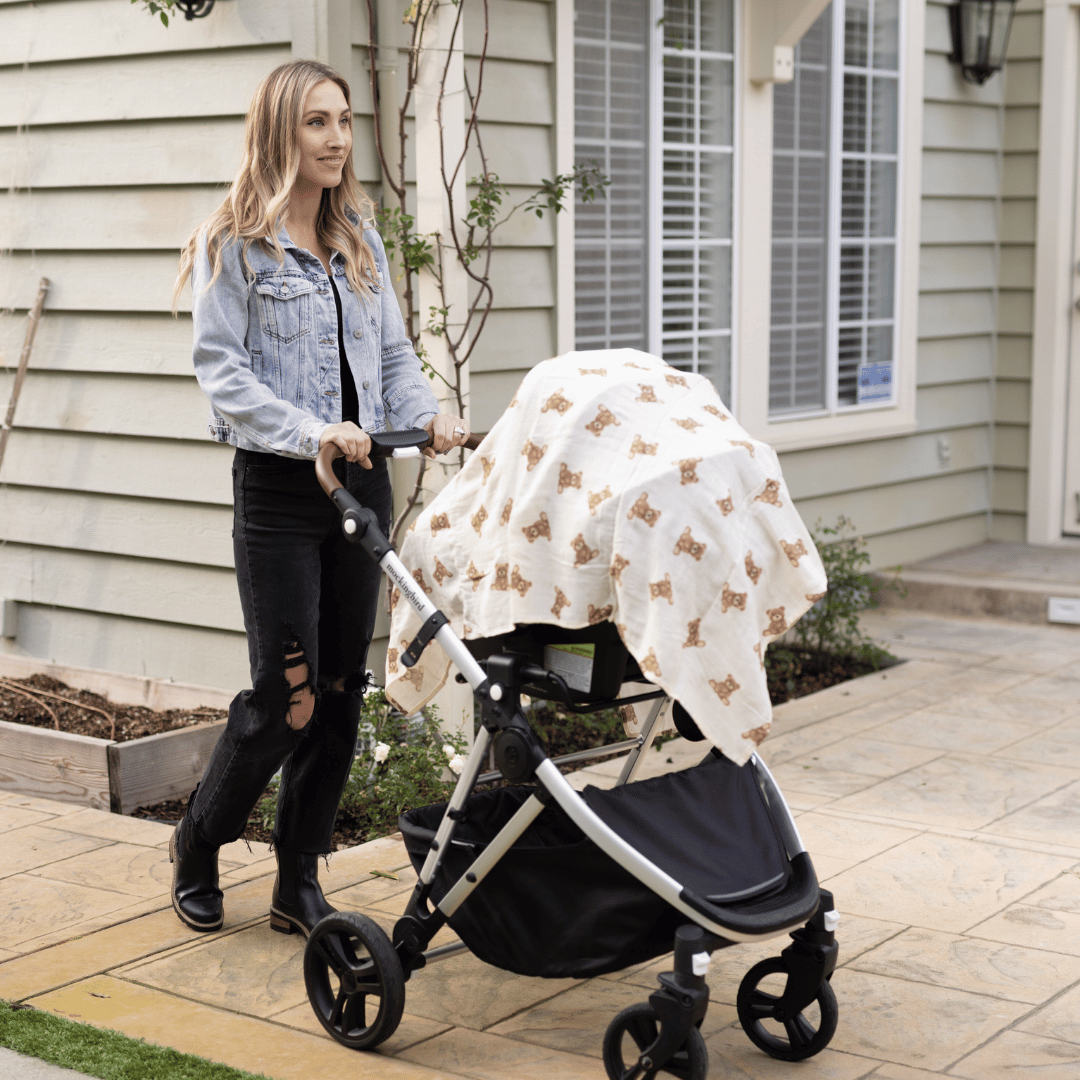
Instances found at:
x=668 y=1035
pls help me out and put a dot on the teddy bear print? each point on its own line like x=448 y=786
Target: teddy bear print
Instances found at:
x=725 y=689
x=518 y=582
x=648 y=394
x=689 y=424
x=534 y=453
x=596 y=498
x=439 y=521
x=502 y=577
x=557 y=402
x=504 y=517
x=391 y=660
x=640 y=446
x=441 y=573
x=561 y=601
x=715 y=411
x=478 y=519
x=642 y=509
x=474 y=575
x=693 y=638
x=419 y=575
x=686 y=543
x=815 y=597
x=538 y=528
x=748 y=446
x=726 y=505
x=592 y=371
x=757 y=735
x=582 y=552
x=752 y=572
x=688 y=470
x=675 y=380
x=599 y=614
x=730 y=598
x=651 y=664
x=604 y=418
x=661 y=590
x=618 y=565
x=771 y=494
x=568 y=479
x=777 y=622
x=487 y=467
x=794 y=552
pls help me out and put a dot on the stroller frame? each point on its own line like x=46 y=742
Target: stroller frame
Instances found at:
x=669 y=1033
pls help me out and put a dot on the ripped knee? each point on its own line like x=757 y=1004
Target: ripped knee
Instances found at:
x=301 y=705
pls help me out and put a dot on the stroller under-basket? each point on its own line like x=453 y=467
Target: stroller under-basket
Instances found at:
x=542 y=880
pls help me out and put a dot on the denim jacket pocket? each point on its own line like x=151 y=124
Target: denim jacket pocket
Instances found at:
x=286 y=314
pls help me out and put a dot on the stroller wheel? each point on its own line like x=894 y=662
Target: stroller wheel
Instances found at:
x=787 y=1038
x=354 y=980
x=633 y=1032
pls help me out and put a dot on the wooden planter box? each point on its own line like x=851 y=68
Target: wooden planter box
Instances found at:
x=104 y=774
x=98 y=772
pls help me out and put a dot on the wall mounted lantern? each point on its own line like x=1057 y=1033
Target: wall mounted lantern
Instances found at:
x=195 y=9
x=980 y=36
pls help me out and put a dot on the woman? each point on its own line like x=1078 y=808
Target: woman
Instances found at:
x=299 y=342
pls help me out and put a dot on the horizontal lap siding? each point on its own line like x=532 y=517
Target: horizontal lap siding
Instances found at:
x=962 y=477
x=117 y=137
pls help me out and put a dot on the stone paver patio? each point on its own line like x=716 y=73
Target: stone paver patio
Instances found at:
x=940 y=801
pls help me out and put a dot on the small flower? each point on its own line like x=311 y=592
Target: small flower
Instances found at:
x=448 y=750
x=382 y=751
x=456 y=764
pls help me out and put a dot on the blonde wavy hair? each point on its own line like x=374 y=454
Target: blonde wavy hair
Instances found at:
x=258 y=199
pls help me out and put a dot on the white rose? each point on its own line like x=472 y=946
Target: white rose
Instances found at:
x=456 y=764
x=382 y=752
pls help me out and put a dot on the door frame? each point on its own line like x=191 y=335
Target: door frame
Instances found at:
x=1056 y=281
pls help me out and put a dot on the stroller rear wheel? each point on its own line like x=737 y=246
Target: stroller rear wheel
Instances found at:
x=635 y=1030
x=789 y=1038
x=354 y=980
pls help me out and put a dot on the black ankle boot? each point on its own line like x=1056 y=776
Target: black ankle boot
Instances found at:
x=297 y=902
x=196 y=897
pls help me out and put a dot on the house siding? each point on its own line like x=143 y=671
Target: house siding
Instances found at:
x=961 y=478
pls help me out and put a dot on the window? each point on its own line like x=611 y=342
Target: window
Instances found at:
x=654 y=110
x=835 y=197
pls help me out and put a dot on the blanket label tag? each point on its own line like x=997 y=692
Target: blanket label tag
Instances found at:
x=573 y=662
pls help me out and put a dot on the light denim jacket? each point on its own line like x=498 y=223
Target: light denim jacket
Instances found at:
x=266 y=349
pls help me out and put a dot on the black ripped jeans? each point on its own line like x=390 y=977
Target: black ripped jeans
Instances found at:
x=305 y=590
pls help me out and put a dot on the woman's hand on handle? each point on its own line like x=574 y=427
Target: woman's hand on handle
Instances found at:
x=446 y=432
x=353 y=442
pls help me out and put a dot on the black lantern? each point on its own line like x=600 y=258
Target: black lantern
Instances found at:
x=195 y=9
x=980 y=36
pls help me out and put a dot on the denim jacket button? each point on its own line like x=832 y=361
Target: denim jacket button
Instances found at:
x=358 y=333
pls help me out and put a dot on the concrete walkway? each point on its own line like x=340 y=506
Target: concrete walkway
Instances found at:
x=940 y=801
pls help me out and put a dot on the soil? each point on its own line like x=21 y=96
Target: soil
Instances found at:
x=795 y=675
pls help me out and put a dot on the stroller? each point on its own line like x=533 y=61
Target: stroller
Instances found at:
x=539 y=879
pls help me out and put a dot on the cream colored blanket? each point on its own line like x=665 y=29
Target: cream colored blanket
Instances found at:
x=615 y=487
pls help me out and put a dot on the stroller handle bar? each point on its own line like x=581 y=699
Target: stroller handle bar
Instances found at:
x=391 y=444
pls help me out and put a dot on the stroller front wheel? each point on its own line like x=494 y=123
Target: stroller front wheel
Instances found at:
x=788 y=1038
x=635 y=1030
x=348 y=961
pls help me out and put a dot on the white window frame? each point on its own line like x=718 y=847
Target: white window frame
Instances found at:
x=564 y=163
x=754 y=254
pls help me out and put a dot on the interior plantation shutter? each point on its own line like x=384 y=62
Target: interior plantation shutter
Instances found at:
x=835 y=192
x=654 y=110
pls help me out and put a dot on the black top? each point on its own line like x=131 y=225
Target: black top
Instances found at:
x=350 y=403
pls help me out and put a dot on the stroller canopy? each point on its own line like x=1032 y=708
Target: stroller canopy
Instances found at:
x=617 y=488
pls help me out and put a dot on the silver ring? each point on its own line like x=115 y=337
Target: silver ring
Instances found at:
x=459 y=431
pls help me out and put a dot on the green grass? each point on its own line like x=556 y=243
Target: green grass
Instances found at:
x=101 y=1053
